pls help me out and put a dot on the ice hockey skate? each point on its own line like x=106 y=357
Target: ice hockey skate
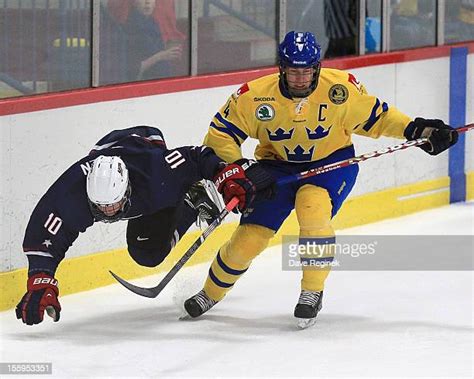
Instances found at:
x=309 y=304
x=199 y=304
x=198 y=198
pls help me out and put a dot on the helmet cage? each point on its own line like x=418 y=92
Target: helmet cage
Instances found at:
x=102 y=217
x=309 y=90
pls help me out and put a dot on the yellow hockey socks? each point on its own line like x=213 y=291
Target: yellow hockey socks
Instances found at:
x=234 y=258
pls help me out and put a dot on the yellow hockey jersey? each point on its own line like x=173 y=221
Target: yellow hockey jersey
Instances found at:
x=301 y=130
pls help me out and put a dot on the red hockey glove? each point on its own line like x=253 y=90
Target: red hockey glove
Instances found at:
x=440 y=136
x=231 y=182
x=42 y=294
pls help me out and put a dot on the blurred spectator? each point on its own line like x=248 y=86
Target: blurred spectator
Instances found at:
x=153 y=40
x=412 y=24
x=459 y=21
x=340 y=20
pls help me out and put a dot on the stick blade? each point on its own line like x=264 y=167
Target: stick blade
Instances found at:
x=142 y=291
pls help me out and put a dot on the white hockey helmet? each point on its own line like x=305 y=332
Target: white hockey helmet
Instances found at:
x=108 y=187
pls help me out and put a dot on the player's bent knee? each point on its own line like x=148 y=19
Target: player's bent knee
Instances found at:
x=147 y=257
x=246 y=243
x=313 y=208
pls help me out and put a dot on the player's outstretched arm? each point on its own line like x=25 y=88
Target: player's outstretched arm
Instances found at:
x=53 y=227
x=440 y=136
x=373 y=118
x=45 y=246
x=43 y=259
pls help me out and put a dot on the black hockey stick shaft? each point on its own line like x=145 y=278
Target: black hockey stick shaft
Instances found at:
x=155 y=291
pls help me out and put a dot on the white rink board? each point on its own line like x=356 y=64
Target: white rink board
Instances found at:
x=37 y=147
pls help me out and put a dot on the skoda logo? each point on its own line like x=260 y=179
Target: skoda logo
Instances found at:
x=265 y=112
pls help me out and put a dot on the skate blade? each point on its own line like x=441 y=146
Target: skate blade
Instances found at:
x=304 y=323
x=184 y=317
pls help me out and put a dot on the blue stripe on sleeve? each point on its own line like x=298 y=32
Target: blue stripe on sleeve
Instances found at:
x=226 y=131
x=373 y=115
x=231 y=126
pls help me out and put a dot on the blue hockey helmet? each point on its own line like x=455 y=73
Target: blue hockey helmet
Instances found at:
x=299 y=50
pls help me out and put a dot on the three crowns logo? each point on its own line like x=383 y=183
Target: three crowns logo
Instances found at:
x=280 y=134
x=318 y=133
x=299 y=154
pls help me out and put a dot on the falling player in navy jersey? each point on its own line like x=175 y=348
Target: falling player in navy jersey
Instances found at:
x=129 y=175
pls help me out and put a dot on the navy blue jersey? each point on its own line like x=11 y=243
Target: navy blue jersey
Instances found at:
x=159 y=179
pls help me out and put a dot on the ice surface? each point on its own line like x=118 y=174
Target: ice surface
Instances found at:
x=375 y=324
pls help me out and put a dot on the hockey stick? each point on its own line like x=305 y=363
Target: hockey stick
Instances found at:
x=361 y=158
x=155 y=291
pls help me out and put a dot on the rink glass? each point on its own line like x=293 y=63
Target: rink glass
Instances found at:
x=57 y=45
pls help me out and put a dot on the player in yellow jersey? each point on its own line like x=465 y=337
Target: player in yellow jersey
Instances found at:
x=303 y=118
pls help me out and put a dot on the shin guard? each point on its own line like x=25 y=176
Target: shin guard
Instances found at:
x=234 y=258
x=313 y=209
